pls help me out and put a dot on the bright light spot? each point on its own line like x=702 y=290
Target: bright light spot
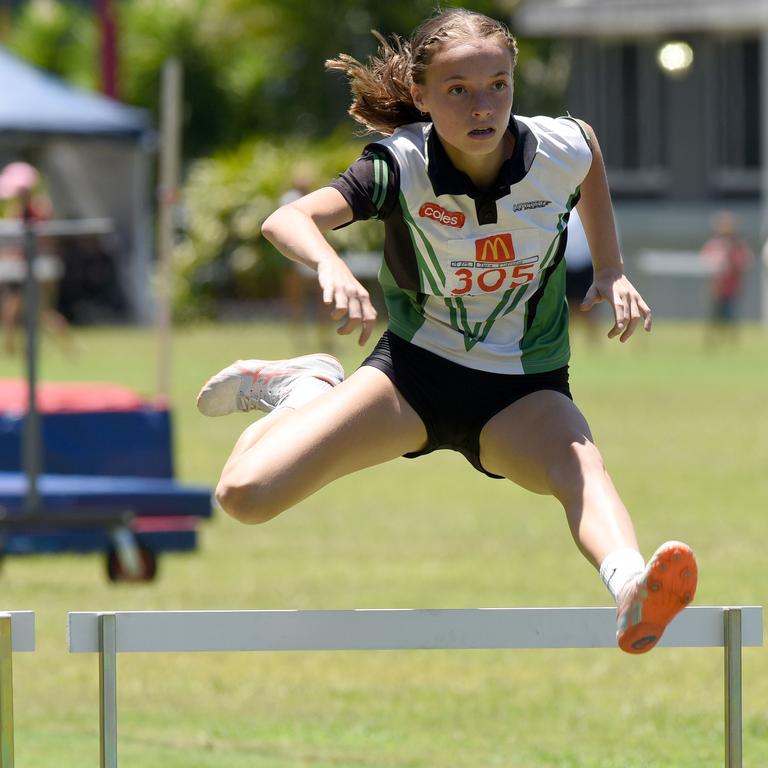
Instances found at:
x=675 y=57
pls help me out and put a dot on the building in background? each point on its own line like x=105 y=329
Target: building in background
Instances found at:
x=676 y=91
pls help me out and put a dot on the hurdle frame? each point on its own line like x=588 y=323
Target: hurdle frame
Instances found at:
x=17 y=633
x=111 y=633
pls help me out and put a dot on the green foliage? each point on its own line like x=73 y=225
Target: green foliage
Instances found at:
x=256 y=68
x=226 y=54
x=57 y=37
x=300 y=93
x=541 y=78
x=251 y=67
x=227 y=198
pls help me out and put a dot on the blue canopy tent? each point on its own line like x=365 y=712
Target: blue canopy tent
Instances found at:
x=78 y=478
x=37 y=102
x=95 y=155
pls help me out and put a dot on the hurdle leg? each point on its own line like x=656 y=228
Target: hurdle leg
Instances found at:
x=108 y=690
x=6 y=692
x=732 y=643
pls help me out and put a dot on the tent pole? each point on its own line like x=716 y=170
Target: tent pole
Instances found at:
x=32 y=447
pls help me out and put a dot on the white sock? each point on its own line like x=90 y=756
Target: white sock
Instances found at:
x=619 y=567
x=306 y=388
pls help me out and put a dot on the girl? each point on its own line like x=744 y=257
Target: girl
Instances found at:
x=475 y=202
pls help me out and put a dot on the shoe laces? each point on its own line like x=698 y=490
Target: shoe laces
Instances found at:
x=263 y=389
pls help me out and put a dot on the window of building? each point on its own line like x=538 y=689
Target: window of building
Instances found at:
x=735 y=107
x=620 y=92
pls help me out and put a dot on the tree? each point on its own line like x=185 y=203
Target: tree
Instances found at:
x=251 y=67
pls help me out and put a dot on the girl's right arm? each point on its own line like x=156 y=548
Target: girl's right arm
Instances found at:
x=296 y=230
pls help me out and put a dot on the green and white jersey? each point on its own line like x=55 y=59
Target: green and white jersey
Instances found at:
x=475 y=277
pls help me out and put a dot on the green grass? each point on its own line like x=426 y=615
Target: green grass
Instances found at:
x=685 y=435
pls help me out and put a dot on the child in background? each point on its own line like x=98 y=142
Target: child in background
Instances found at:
x=20 y=188
x=728 y=257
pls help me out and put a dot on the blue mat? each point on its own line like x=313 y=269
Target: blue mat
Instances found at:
x=87 y=540
x=165 y=513
x=124 y=443
x=144 y=496
x=97 y=466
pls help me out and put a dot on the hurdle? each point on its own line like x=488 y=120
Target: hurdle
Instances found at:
x=112 y=633
x=17 y=633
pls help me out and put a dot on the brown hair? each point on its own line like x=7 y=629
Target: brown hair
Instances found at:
x=381 y=88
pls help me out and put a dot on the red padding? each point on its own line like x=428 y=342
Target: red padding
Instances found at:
x=69 y=397
x=163 y=524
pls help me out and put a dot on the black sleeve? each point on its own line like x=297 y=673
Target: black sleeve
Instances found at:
x=370 y=185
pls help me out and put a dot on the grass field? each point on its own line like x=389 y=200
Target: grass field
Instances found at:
x=685 y=434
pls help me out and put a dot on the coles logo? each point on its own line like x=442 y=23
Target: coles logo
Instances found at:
x=495 y=248
x=440 y=215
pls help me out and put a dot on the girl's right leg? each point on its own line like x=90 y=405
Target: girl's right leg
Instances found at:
x=289 y=454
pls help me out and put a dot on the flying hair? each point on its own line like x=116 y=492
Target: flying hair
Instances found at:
x=381 y=87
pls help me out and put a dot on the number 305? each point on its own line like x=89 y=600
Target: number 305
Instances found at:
x=493 y=279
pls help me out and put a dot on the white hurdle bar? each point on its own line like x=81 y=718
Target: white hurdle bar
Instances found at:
x=399 y=629
x=17 y=633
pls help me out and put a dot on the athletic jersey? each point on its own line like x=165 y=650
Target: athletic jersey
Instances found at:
x=475 y=276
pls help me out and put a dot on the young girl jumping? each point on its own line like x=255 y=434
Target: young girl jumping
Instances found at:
x=475 y=201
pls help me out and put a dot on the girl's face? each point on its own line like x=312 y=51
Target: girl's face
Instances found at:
x=468 y=95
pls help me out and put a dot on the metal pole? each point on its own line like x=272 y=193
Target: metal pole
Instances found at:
x=108 y=690
x=170 y=124
x=31 y=453
x=108 y=30
x=732 y=643
x=763 y=246
x=6 y=692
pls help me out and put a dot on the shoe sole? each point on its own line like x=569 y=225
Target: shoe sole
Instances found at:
x=670 y=581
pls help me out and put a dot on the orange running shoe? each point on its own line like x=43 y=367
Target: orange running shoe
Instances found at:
x=654 y=597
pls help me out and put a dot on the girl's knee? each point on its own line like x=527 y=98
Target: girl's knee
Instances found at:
x=579 y=466
x=247 y=503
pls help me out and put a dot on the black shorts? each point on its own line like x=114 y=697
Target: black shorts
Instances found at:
x=453 y=401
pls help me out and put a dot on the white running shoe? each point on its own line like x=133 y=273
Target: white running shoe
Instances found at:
x=263 y=385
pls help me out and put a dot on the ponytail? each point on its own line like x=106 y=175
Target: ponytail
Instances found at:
x=381 y=88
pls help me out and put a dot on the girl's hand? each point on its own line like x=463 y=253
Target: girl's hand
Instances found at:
x=628 y=305
x=346 y=297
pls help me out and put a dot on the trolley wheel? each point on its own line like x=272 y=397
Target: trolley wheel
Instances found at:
x=147 y=569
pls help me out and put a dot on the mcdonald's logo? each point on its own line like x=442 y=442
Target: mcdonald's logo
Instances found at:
x=495 y=248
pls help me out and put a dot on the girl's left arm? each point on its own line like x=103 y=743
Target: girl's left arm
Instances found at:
x=609 y=282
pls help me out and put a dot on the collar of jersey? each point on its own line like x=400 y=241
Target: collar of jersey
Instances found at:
x=448 y=180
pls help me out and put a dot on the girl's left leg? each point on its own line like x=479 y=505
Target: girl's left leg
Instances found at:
x=543 y=443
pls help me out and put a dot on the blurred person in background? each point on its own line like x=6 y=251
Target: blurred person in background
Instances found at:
x=728 y=257
x=24 y=200
x=764 y=282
